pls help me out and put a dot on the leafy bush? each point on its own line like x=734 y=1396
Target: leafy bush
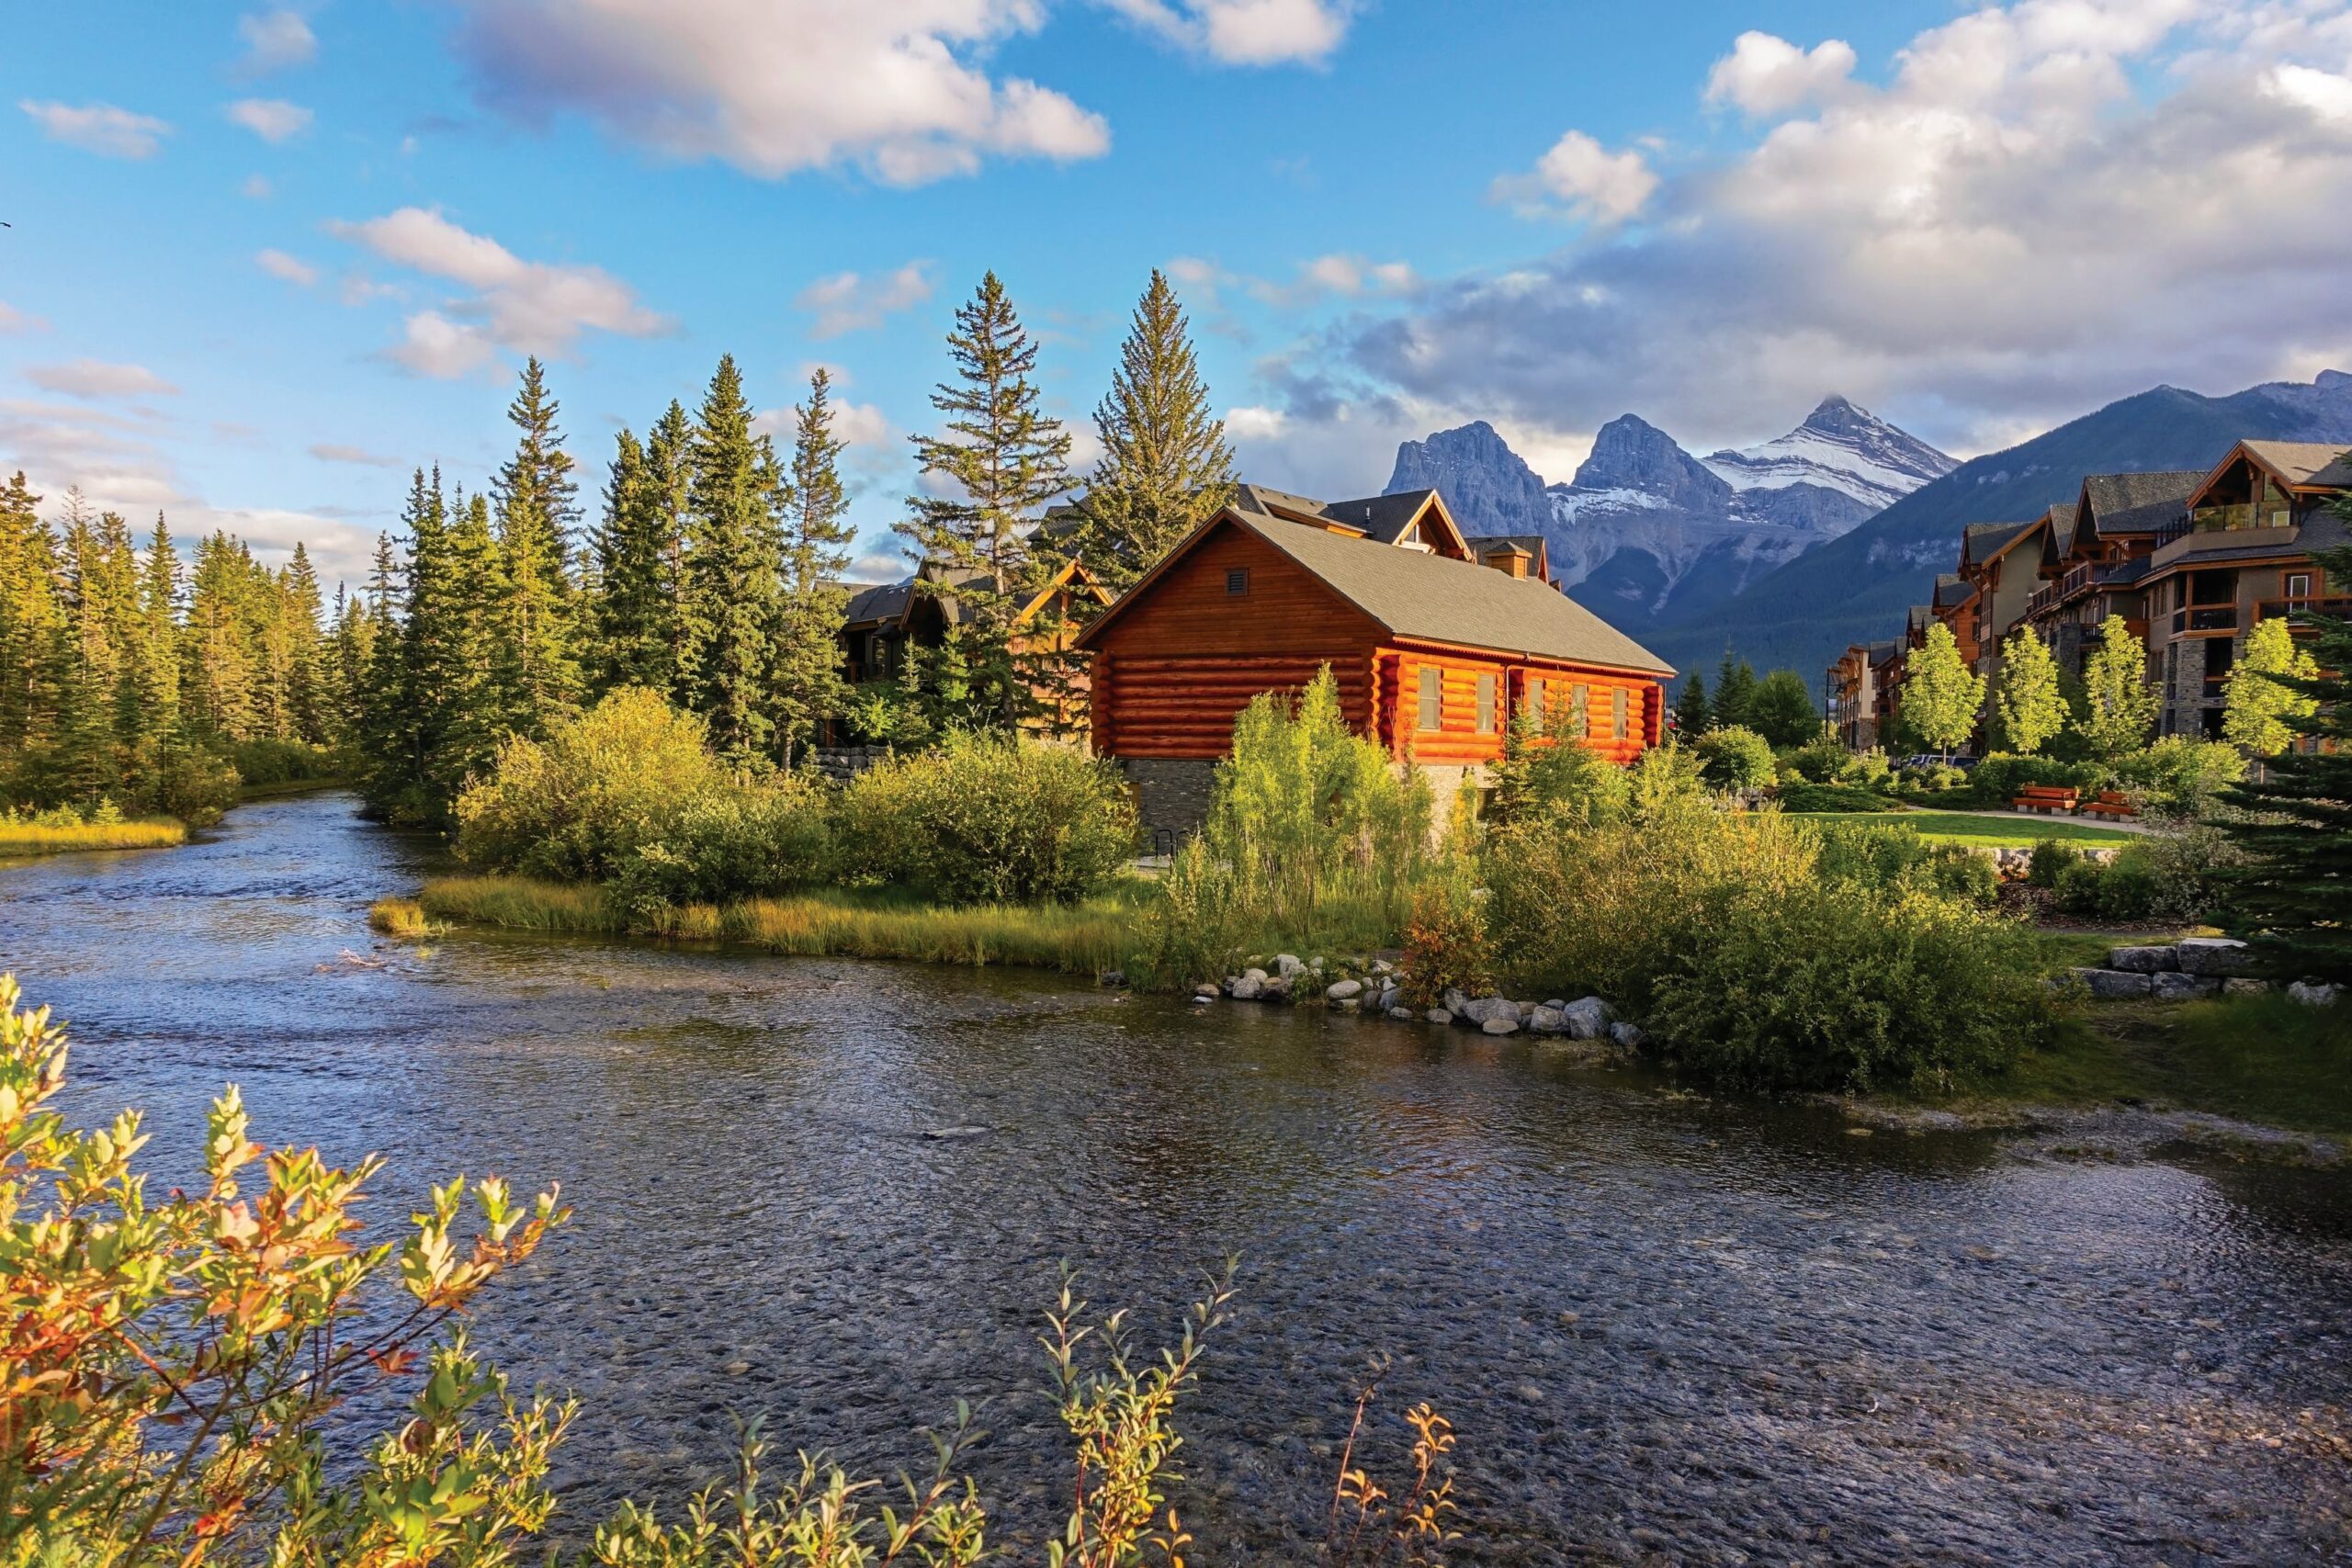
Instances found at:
x=1736 y=758
x=2178 y=776
x=744 y=842
x=987 y=819
x=1819 y=761
x=1445 y=944
x=1831 y=985
x=1869 y=769
x=1958 y=871
x=1803 y=796
x=281 y=762
x=2176 y=876
x=1553 y=768
x=2052 y=859
x=1888 y=855
x=196 y=785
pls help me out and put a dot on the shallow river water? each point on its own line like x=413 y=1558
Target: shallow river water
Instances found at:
x=1667 y=1328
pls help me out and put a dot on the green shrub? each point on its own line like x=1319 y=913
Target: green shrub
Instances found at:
x=747 y=841
x=2052 y=859
x=1831 y=985
x=1803 y=796
x=1819 y=761
x=196 y=785
x=1445 y=944
x=1736 y=758
x=2123 y=889
x=1958 y=871
x=987 y=819
x=1876 y=853
x=1868 y=770
x=281 y=762
x=2178 y=776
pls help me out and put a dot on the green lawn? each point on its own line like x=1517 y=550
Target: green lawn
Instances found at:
x=1957 y=828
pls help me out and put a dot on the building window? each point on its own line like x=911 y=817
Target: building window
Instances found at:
x=2299 y=585
x=1432 y=697
x=1237 y=583
x=1617 y=710
x=1487 y=705
x=1580 y=711
x=1535 y=698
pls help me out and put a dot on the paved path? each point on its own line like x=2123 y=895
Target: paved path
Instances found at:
x=2037 y=816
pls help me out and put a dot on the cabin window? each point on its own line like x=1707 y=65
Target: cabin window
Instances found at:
x=1535 y=698
x=1581 y=710
x=1617 y=710
x=2299 y=585
x=1237 y=583
x=1487 y=705
x=1432 y=697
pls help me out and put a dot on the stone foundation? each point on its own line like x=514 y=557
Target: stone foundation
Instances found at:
x=1171 y=796
x=842 y=763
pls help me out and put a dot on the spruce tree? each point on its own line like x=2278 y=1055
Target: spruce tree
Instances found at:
x=1782 y=710
x=471 y=720
x=386 y=726
x=32 y=628
x=536 y=494
x=1734 y=689
x=999 y=463
x=637 y=558
x=2293 y=899
x=1165 y=464
x=728 y=609
x=2028 y=709
x=816 y=536
x=1691 y=709
x=306 y=702
x=159 y=652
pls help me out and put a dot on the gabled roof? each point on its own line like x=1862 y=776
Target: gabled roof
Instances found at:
x=2115 y=505
x=2061 y=534
x=1430 y=598
x=2318 y=465
x=1538 y=548
x=1952 y=588
x=876 y=603
x=1383 y=518
x=1980 y=542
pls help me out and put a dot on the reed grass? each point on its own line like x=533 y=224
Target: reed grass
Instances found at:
x=40 y=839
x=1090 y=938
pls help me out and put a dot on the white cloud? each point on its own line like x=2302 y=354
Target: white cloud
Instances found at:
x=275 y=40
x=292 y=269
x=256 y=189
x=529 y=307
x=2048 y=205
x=848 y=300
x=897 y=88
x=1247 y=32
x=1581 y=178
x=1337 y=275
x=99 y=127
x=14 y=320
x=97 y=379
x=336 y=452
x=272 y=119
x=1764 y=76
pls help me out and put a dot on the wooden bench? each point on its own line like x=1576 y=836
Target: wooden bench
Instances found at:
x=2049 y=800
x=2110 y=802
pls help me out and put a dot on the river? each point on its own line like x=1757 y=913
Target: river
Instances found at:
x=1667 y=1327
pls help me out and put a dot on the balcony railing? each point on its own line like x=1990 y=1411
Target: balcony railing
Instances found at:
x=2338 y=606
x=2205 y=619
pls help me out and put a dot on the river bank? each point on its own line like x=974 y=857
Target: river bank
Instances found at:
x=24 y=839
x=1666 y=1325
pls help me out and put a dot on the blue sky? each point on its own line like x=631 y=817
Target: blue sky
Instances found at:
x=264 y=260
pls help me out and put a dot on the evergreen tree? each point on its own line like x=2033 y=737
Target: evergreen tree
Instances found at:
x=32 y=629
x=728 y=609
x=2260 y=710
x=1734 y=689
x=306 y=697
x=817 y=534
x=1165 y=464
x=538 y=670
x=2293 y=896
x=471 y=723
x=159 y=634
x=1691 y=709
x=2029 y=708
x=1000 y=462
x=1941 y=695
x=216 y=685
x=1782 y=711
x=386 y=726
x=2121 y=708
x=636 y=557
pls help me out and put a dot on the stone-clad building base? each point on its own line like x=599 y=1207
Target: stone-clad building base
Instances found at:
x=1172 y=794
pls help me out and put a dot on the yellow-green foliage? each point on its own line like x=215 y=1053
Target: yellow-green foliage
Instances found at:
x=520 y=903
x=402 y=917
x=987 y=818
x=63 y=828
x=630 y=793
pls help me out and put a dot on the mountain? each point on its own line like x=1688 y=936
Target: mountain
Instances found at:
x=1649 y=534
x=1802 y=613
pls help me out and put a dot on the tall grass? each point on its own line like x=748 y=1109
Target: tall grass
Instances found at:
x=1088 y=938
x=48 y=839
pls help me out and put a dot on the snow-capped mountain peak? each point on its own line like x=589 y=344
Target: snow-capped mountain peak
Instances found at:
x=1840 y=447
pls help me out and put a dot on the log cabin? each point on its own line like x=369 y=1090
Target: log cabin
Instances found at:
x=1435 y=640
